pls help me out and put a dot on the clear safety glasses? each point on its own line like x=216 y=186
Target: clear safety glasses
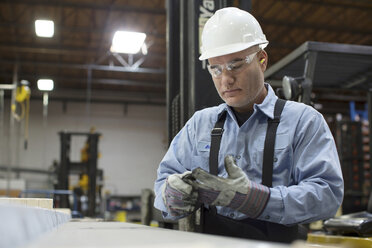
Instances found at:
x=234 y=66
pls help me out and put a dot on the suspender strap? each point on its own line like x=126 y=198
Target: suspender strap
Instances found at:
x=268 y=159
x=216 y=136
x=267 y=171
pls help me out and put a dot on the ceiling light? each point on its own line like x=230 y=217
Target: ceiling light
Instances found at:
x=44 y=28
x=45 y=84
x=127 y=42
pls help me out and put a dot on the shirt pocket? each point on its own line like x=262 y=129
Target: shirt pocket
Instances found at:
x=282 y=160
x=200 y=157
x=282 y=146
x=281 y=141
x=203 y=148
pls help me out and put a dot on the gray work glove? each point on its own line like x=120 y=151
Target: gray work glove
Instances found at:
x=179 y=196
x=236 y=191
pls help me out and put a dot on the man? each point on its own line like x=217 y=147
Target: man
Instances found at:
x=274 y=162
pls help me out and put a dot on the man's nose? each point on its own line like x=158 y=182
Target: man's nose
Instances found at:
x=227 y=77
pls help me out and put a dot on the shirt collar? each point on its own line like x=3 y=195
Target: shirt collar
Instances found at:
x=266 y=107
x=268 y=104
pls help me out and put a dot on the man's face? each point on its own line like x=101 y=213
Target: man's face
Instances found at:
x=244 y=86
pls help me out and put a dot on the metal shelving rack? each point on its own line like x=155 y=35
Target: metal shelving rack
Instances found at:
x=336 y=66
x=356 y=174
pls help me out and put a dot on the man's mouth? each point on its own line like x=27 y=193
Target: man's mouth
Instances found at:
x=231 y=92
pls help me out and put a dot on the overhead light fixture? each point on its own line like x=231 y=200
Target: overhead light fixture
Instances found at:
x=127 y=42
x=44 y=28
x=45 y=84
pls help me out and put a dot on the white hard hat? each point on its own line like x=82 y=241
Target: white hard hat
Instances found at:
x=230 y=30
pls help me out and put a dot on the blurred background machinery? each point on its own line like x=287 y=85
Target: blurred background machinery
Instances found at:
x=88 y=190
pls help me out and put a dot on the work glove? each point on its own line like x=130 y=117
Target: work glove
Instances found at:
x=179 y=196
x=236 y=191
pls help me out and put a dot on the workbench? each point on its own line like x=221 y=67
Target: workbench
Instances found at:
x=93 y=233
x=31 y=223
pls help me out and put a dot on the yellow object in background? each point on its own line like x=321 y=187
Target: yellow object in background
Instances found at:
x=338 y=240
x=154 y=223
x=84 y=182
x=22 y=93
x=84 y=153
x=22 y=98
x=121 y=216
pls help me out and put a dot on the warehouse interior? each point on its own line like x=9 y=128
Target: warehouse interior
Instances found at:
x=92 y=142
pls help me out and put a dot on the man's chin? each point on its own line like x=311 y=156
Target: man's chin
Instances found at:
x=235 y=100
x=232 y=102
x=237 y=105
x=234 y=105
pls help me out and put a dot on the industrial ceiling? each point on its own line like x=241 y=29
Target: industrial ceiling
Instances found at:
x=78 y=57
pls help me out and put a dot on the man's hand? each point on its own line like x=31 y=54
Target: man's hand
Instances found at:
x=236 y=191
x=179 y=196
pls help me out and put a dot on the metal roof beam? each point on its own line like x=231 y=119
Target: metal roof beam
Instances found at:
x=76 y=29
x=110 y=101
x=347 y=4
x=86 y=66
x=56 y=49
x=301 y=25
x=83 y=81
x=104 y=96
x=97 y=6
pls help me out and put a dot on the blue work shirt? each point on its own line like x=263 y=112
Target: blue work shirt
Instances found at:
x=307 y=178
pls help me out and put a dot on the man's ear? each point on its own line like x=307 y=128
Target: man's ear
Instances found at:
x=263 y=59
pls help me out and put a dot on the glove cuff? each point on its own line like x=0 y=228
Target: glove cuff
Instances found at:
x=177 y=202
x=171 y=198
x=207 y=196
x=253 y=203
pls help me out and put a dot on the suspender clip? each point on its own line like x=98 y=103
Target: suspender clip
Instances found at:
x=217 y=131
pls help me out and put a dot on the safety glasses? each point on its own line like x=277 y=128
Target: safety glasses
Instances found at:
x=235 y=66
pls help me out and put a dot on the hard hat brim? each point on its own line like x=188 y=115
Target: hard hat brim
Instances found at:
x=233 y=48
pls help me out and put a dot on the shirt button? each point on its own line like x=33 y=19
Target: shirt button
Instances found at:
x=232 y=215
x=267 y=217
x=238 y=157
x=275 y=159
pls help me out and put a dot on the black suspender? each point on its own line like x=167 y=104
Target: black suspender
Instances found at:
x=267 y=169
x=216 y=136
x=268 y=159
x=214 y=224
